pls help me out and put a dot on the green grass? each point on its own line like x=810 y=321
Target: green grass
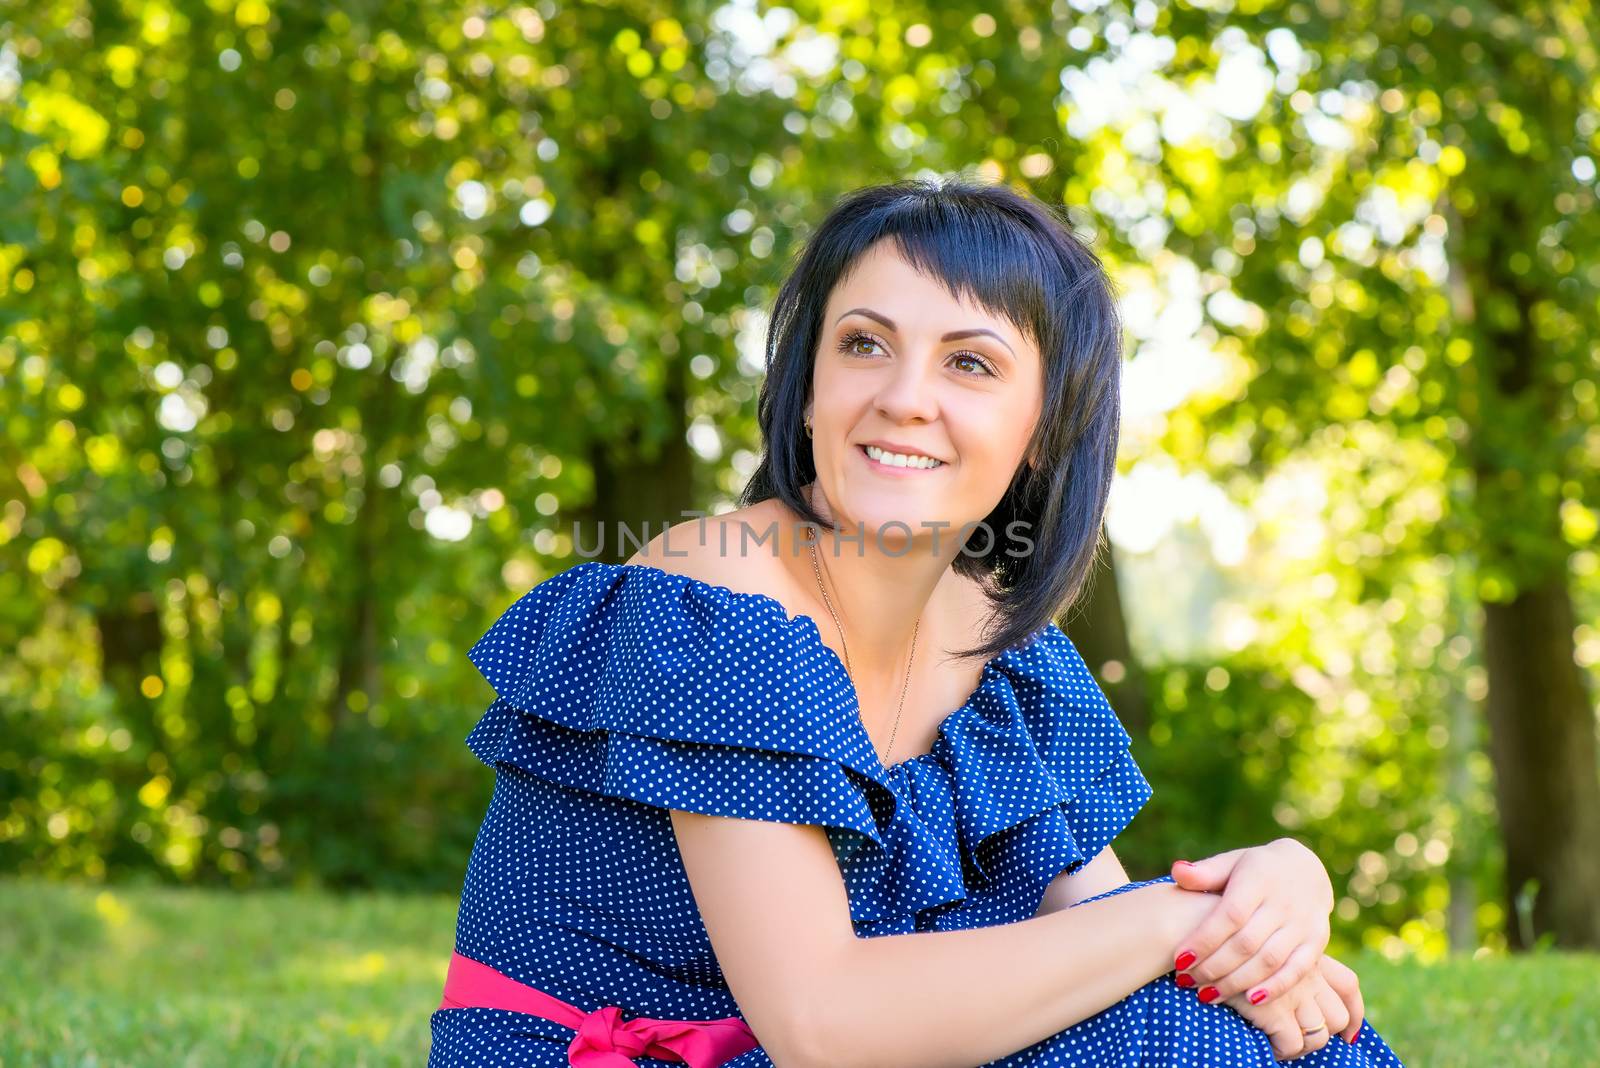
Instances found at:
x=155 y=976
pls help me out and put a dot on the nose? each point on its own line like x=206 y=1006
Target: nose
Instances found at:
x=908 y=393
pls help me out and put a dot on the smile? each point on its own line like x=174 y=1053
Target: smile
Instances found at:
x=898 y=460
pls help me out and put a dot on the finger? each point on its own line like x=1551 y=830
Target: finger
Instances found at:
x=1259 y=951
x=1287 y=1041
x=1233 y=910
x=1333 y=1010
x=1310 y=1019
x=1348 y=987
x=1296 y=968
x=1358 y=1015
x=1278 y=1022
x=1210 y=874
x=1239 y=947
x=1250 y=1012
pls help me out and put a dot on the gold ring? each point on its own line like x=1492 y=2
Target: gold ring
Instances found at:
x=1314 y=1030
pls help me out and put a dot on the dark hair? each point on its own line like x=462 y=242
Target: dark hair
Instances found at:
x=1018 y=259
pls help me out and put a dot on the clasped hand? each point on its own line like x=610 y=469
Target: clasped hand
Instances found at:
x=1262 y=948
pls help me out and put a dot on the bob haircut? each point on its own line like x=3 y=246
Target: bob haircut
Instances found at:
x=1014 y=257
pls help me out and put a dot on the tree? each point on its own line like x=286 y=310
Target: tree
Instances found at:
x=1470 y=129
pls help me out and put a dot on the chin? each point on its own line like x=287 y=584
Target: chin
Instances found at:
x=876 y=511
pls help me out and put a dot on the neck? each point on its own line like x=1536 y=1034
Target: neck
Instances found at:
x=879 y=597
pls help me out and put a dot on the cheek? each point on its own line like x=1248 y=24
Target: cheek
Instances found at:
x=832 y=399
x=992 y=437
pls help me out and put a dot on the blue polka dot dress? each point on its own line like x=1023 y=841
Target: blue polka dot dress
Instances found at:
x=623 y=690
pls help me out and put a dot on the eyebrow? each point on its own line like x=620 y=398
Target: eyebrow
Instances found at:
x=954 y=335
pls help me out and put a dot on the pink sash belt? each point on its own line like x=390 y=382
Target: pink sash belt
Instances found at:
x=604 y=1039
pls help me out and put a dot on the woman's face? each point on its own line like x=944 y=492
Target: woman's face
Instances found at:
x=904 y=365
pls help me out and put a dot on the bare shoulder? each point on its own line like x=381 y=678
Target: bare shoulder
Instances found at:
x=741 y=550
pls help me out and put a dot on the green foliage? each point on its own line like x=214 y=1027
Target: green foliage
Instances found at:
x=315 y=323
x=1398 y=251
x=1241 y=754
x=320 y=323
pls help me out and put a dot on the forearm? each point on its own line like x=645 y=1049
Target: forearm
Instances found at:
x=953 y=999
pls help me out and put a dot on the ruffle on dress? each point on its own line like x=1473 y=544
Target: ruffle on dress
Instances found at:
x=637 y=683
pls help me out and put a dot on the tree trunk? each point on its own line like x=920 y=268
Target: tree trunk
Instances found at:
x=1541 y=724
x=636 y=493
x=130 y=642
x=1465 y=856
x=1542 y=742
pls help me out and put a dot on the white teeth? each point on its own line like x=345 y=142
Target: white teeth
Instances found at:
x=900 y=459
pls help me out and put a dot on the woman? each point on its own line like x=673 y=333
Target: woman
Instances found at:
x=819 y=781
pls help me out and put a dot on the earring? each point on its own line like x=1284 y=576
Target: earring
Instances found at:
x=808 y=428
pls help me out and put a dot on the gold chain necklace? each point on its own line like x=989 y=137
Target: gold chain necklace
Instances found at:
x=817 y=569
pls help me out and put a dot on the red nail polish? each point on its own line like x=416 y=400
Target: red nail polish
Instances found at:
x=1258 y=997
x=1209 y=994
x=1185 y=863
x=1185 y=959
x=1185 y=980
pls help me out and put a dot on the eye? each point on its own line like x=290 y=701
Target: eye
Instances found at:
x=850 y=340
x=983 y=364
x=854 y=338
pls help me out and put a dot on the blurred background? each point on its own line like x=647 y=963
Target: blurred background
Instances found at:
x=323 y=324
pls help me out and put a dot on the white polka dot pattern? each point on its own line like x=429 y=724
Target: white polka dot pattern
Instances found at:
x=623 y=691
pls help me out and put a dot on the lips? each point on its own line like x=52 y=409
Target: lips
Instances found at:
x=904 y=450
x=909 y=469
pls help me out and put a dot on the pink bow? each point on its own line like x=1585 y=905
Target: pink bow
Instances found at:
x=604 y=1039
